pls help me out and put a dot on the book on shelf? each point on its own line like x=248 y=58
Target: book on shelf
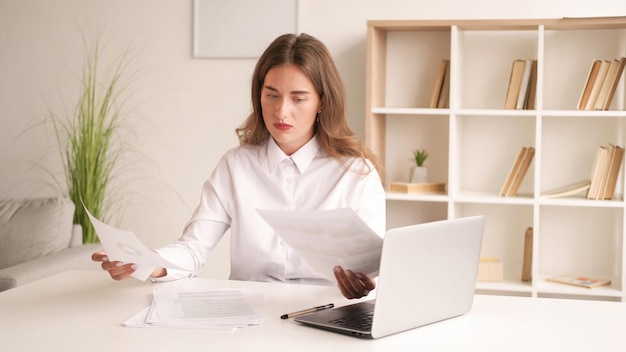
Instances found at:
x=614 y=83
x=428 y=187
x=523 y=170
x=527 y=260
x=532 y=88
x=605 y=172
x=607 y=84
x=513 y=171
x=444 y=97
x=602 y=81
x=522 y=85
x=591 y=79
x=441 y=89
x=597 y=171
x=518 y=172
x=515 y=82
x=597 y=84
x=612 y=170
x=581 y=281
x=577 y=188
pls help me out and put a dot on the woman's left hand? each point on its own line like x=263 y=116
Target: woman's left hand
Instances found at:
x=353 y=285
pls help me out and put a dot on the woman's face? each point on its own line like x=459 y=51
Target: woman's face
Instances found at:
x=290 y=104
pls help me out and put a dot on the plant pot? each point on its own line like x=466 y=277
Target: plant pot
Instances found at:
x=418 y=174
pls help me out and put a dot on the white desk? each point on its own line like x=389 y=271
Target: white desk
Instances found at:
x=82 y=311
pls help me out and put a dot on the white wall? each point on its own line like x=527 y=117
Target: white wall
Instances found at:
x=185 y=110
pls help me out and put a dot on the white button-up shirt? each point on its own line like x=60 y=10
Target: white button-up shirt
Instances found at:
x=264 y=177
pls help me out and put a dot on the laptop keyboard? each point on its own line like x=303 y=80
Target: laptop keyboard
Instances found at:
x=361 y=321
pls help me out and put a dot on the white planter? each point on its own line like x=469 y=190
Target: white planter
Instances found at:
x=418 y=174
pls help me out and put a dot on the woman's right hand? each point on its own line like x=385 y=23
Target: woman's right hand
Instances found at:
x=117 y=270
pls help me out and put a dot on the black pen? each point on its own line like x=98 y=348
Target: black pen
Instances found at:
x=307 y=311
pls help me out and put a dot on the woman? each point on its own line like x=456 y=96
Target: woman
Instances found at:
x=296 y=152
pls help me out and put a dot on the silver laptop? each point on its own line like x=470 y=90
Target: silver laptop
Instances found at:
x=427 y=274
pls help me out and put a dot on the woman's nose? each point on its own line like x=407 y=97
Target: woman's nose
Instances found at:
x=282 y=108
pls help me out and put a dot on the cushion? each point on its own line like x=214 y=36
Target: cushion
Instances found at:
x=33 y=228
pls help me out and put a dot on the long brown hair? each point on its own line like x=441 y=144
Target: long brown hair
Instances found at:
x=313 y=58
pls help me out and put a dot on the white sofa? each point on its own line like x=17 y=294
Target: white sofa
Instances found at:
x=38 y=239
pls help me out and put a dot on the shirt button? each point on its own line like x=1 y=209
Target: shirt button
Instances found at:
x=289 y=180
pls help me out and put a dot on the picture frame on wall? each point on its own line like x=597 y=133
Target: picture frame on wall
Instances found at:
x=240 y=28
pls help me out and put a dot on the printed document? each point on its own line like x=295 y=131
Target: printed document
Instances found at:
x=328 y=238
x=125 y=247
x=215 y=309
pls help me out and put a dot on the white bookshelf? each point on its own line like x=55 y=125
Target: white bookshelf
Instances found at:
x=473 y=143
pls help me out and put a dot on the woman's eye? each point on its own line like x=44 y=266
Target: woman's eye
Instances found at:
x=272 y=96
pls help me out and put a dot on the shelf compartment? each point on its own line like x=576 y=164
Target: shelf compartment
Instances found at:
x=581 y=241
x=483 y=161
x=563 y=84
x=409 y=132
x=484 y=64
x=414 y=62
x=503 y=238
x=564 y=162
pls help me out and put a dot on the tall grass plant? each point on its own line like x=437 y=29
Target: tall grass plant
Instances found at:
x=90 y=142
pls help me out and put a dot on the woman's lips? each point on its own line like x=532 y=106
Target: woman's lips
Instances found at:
x=282 y=126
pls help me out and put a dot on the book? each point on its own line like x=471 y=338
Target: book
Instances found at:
x=439 y=83
x=515 y=81
x=597 y=85
x=429 y=187
x=521 y=172
x=577 y=188
x=444 y=97
x=524 y=85
x=611 y=75
x=615 y=165
x=591 y=79
x=597 y=172
x=581 y=281
x=605 y=171
x=617 y=78
x=527 y=260
x=513 y=171
x=532 y=89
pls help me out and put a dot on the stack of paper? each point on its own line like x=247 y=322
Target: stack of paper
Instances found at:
x=222 y=310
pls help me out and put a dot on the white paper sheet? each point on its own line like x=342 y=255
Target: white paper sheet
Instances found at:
x=216 y=309
x=124 y=246
x=328 y=238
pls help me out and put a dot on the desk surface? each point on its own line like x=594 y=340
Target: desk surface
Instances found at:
x=82 y=311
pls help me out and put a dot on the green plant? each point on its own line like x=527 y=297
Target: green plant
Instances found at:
x=420 y=156
x=89 y=141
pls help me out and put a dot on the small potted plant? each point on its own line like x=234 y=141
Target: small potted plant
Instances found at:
x=418 y=172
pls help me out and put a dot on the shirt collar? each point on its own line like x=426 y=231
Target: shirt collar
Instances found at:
x=302 y=157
